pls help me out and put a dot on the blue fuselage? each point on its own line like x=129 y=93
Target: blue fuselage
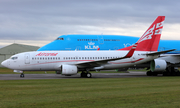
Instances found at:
x=104 y=42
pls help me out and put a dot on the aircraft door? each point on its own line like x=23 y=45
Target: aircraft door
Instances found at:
x=133 y=58
x=100 y=39
x=78 y=48
x=27 y=58
x=116 y=48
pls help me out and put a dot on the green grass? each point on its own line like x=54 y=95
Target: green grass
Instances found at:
x=151 y=92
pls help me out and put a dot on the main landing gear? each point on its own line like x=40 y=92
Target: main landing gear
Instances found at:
x=149 y=73
x=170 y=71
x=86 y=74
x=22 y=75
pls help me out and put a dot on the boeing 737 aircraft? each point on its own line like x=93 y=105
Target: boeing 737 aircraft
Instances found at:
x=71 y=62
x=167 y=63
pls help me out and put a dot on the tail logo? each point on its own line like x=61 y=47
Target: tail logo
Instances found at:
x=159 y=28
x=147 y=35
x=150 y=32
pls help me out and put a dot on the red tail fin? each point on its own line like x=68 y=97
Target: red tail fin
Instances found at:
x=149 y=41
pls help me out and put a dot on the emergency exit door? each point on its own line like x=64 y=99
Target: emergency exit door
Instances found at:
x=100 y=39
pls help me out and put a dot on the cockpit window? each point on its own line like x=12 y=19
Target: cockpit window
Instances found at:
x=60 y=39
x=14 y=58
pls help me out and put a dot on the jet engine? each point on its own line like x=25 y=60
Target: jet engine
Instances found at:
x=158 y=65
x=69 y=70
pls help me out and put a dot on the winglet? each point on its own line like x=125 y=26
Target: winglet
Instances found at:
x=131 y=51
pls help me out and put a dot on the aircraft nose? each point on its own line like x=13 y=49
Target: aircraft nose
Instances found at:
x=4 y=63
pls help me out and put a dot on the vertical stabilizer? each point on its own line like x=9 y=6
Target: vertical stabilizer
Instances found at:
x=149 y=41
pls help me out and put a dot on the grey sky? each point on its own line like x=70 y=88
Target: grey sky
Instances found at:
x=38 y=22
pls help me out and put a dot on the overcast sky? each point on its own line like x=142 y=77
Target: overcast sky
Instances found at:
x=38 y=22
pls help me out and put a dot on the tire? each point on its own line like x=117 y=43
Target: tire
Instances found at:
x=149 y=73
x=88 y=75
x=83 y=75
x=22 y=76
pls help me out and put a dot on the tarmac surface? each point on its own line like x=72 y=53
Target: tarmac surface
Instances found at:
x=59 y=76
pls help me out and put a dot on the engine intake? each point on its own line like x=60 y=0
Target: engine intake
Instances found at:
x=158 y=65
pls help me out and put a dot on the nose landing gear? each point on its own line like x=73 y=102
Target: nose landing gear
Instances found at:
x=22 y=75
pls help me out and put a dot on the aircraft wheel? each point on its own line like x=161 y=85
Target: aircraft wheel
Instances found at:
x=88 y=75
x=22 y=75
x=83 y=74
x=165 y=74
x=149 y=73
x=154 y=74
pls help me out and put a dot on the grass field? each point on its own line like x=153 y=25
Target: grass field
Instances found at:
x=147 y=92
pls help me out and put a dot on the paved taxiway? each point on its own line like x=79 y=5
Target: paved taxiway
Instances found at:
x=58 y=76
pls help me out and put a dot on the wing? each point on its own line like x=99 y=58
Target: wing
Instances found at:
x=97 y=63
x=171 y=58
x=160 y=52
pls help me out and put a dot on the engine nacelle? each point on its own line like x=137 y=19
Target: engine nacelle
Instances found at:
x=158 y=65
x=69 y=70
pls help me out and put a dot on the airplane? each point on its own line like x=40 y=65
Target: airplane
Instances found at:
x=71 y=62
x=103 y=42
x=167 y=62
